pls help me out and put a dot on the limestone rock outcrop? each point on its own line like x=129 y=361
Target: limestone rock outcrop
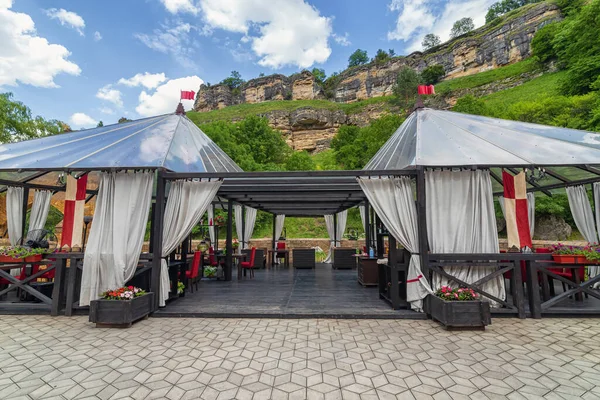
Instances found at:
x=489 y=47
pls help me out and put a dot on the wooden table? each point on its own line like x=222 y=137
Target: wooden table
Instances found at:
x=271 y=255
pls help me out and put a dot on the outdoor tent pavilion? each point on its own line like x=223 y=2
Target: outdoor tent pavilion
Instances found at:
x=175 y=149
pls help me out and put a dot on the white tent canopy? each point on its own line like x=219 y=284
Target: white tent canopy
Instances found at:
x=435 y=138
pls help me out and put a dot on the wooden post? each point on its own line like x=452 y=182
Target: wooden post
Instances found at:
x=215 y=245
x=228 y=245
x=243 y=239
x=157 y=237
x=24 y=214
x=151 y=242
x=368 y=226
x=335 y=238
x=422 y=218
x=272 y=260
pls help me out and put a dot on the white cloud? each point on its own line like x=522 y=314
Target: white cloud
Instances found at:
x=166 y=97
x=26 y=57
x=176 y=6
x=419 y=17
x=67 y=18
x=82 y=120
x=106 y=110
x=292 y=32
x=342 y=40
x=97 y=36
x=171 y=39
x=109 y=94
x=148 y=80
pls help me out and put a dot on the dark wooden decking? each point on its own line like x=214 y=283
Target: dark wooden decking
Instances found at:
x=281 y=292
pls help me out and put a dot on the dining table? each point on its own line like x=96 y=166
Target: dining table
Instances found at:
x=237 y=258
x=271 y=253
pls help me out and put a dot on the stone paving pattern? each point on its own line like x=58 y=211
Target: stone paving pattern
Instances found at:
x=68 y=358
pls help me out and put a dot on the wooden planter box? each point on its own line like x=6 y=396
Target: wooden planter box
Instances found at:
x=568 y=259
x=120 y=313
x=458 y=314
x=8 y=259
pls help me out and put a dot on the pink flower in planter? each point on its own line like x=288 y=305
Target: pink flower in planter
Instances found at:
x=456 y=295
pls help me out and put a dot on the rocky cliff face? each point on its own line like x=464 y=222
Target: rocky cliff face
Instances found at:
x=300 y=86
x=486 y=48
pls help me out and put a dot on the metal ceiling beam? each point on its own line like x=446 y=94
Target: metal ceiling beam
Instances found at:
x=557 y=176
x=286 y=174
x=535 y=185
x=561 y=185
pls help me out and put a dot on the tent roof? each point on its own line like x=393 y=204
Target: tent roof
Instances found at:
x=169 y=141
x=447 y=139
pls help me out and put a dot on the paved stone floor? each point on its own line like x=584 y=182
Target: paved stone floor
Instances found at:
x=67 y=358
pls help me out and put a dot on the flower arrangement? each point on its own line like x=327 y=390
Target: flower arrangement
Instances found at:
x=459 y=294
x=235 y=244
x=219 y=220
x=180 y=287
x=210 y=271
x=123 y=293
x=576 y=254
x=21 y=252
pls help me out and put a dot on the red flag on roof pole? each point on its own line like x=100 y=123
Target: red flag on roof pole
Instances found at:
x=426 y=89
x=187 y=95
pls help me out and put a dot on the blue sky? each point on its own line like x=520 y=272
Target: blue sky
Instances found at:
x=85 y=61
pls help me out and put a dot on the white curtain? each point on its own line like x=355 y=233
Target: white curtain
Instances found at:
x=248 y=224
x=39 y=209
x=530 y=210
x=581 y=209
x=363 y=217
x=461 y=219
x=342 y=217
x=14 y=214
x=595 y=270
x=249 y=227
x=393 y=201
x=185 y=206
x=211 y=228
x=117 y=234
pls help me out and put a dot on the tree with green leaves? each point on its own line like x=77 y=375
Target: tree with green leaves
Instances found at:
x=392 y=52
x=234 y=80
x=300 y=161
x=319 y=75
x=432 y=74
x=430 y=41
x=405 y=89
x=359 y=57
x=500 y=8
x=381 y=56
x=17 y=123
x=462 y=27
x=100 y=124
x=354 y=147
x=123 y=119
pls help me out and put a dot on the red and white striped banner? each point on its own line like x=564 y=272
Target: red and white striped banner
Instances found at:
x=515 y=210
x=74 y=207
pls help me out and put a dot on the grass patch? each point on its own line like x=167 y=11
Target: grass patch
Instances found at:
x=483 y=78
x=241 y=111
x=533 y=90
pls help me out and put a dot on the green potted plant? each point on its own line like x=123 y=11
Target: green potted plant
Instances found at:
x=458 y=308
x=21 y=254
x=210 y=272
x=563 y=254
x=119 y=308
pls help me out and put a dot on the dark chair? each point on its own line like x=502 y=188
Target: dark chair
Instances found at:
x=192 y=274
x=250 y=264
x=212 y=260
